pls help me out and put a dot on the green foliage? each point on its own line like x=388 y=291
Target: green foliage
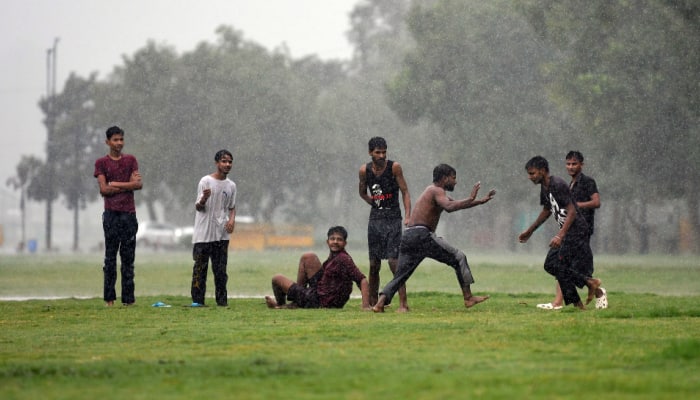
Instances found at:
x=629 y=70
x=475 y=74
x=76 y=142
x=480 y=85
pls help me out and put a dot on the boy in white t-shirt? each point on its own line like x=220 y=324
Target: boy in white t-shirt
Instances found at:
x=213 y=224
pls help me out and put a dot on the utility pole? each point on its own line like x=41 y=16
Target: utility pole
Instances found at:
x=51 y=54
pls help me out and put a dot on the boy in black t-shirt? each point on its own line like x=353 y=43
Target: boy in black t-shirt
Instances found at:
x=569 y=258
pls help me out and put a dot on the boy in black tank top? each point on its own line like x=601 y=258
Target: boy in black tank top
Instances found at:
x=380 y=183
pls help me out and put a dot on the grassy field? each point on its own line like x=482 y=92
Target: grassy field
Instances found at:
x=646 y=345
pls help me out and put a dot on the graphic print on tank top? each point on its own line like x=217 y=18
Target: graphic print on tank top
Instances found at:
x=383 y=187
x=378 y=196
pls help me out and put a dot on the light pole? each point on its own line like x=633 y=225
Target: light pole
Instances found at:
x=50 y=124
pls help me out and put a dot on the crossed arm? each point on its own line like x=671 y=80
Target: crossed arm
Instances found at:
x=112 y=188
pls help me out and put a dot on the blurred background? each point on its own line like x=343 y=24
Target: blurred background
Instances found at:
x=296 y=89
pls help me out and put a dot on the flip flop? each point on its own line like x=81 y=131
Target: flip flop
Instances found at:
x=602 y=301
x=548 y=306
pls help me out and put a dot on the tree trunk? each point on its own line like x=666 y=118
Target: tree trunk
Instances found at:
x=693 y=218
x=76 y=228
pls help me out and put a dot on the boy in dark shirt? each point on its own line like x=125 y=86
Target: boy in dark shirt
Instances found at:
x=569 y=258
x=380 y=183
x=118 y=177
x=326 y=285
x=584 y=192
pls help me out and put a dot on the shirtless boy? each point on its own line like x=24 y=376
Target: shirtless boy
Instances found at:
x=419 y=240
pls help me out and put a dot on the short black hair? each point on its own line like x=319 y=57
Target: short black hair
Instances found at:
x=377 y=142
x=114 y=130
x=441 y=171
x=576 y=155
x=339 y=230
x=221 y=153
x=538 y=162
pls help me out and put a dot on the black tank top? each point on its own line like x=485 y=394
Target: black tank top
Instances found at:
x=384 y=191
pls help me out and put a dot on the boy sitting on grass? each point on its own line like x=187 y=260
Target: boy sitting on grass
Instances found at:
x=326 y=285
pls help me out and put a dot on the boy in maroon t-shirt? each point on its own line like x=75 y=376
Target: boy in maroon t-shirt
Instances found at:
x=118 y=176
x=326 y=285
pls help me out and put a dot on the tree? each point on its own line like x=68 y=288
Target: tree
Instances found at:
x=475 y=74
x=75 y=146
x=628 y=71
x=379 y=35
x=140 y=98
x=27 y=170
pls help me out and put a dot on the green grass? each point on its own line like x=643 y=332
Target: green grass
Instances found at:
x=647 y=345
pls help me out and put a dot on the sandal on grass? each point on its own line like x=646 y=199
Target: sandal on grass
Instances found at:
x=602 y=301
x=548 y=306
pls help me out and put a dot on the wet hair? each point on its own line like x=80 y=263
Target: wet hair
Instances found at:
x=441 y=171
x=575 y=155
x=114 y=130
x=538 y=162
x=339 y=230
x=377 y=142
x=221 y=153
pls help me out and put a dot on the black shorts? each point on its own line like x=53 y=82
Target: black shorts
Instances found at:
x=384 y=238
x=306 y=297
x=574 y=258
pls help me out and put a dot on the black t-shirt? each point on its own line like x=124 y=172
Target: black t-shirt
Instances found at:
x=582 y=190
x=384 y=191
x=558 y=196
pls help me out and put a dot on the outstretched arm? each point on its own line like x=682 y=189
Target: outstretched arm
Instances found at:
x=544 y=214
x=450 y=205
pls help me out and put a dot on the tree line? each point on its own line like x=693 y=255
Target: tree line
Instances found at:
x=479 y=85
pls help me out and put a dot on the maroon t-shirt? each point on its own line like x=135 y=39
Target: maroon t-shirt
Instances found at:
x=335 y=286
x=118 y=171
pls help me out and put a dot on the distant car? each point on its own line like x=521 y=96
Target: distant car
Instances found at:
x=156 y=234
x=183 y=234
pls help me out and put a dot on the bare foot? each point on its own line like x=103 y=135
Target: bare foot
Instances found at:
x=271 y=303
x=379 y=307
x=474 y=300
x=593 y=285
x=580 y=306
x=403 y=309
x=109 y=303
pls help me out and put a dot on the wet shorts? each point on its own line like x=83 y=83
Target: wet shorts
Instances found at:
x=384 y=238
x=305 y=297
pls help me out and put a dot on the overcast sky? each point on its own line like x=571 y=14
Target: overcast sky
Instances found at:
x=95 y=34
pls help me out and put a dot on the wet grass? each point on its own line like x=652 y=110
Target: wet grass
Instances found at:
x=504 y=348
x=645 y=346
x=169 y=273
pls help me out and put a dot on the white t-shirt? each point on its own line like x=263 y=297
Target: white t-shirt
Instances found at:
x=210 y=224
